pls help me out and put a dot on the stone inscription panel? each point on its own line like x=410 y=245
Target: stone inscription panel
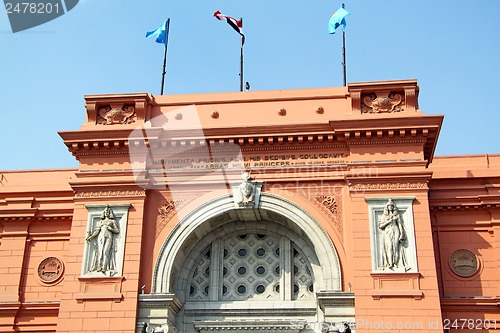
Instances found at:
x=228 y=161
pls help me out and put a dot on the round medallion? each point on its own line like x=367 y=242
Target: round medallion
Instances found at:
x=50 y=270
x=463 y=263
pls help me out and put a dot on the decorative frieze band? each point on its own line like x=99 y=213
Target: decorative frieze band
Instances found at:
x=361 y=187
x=249 y=325
x=37 y=218
x=110 y=193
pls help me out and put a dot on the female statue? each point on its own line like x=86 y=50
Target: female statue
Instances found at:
x=393 y=237
x=104 y=255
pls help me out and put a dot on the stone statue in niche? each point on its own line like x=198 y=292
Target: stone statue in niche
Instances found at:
x=393 y=238
x=105 y=244
x=246 y=191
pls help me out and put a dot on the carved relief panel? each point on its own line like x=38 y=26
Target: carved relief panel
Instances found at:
x=105 y=240
x=383 y=101
x=385 y=98
x=464 y=263
x=116 y=114
x=50 y=270
x=392 y=235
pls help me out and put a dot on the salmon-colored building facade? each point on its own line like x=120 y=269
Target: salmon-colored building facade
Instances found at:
x=270 y=211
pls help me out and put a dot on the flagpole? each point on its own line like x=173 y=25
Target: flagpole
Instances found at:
x=241 y=59
x=241 y=65
x=165 y=58
x=343 y=58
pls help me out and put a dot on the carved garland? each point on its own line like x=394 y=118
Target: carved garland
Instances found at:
x=330 y=204
x=168 y=210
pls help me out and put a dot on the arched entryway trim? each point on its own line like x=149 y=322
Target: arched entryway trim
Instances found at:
x=177 y=245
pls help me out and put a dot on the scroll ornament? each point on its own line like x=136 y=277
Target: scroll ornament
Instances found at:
x=113 y=114
x=383 y=102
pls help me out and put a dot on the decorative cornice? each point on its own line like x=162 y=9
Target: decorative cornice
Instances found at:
x=386 y=142
x=334 y=299
x=116 y=146
x=250 y=325
x=169 y=301
x=54 y=217
x=226 y=147
x=41 y=307
x=254 y=312
x=19 y=215
x=470 y=304
x=461 y=207
x=470 y=203
x=336 y=134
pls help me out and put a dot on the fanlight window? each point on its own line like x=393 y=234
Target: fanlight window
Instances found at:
x=251 y=266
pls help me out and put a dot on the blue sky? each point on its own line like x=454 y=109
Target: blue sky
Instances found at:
x=450 y=47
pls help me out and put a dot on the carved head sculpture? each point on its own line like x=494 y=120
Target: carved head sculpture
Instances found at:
x=390 y=208
x=107 y=214
x=246 y=176
x=246 y=186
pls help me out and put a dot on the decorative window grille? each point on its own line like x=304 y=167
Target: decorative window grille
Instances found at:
x=251 y=266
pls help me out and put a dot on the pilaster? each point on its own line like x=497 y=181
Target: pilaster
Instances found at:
x=384 y=289
x=495 y=217
x=16 y=219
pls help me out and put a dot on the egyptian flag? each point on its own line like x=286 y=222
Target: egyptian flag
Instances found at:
x=237 y=25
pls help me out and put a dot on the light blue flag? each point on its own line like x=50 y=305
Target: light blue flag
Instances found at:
x=161 y=32
x=337 y=19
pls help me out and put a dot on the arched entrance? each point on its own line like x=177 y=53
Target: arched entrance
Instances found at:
x=265 y=269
